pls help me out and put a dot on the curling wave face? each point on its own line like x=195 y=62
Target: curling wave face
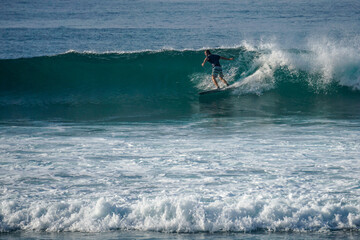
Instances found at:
x=165 y=83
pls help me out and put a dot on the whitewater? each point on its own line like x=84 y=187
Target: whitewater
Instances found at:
x=103 y=133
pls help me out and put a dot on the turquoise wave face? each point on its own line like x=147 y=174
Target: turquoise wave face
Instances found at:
x=166 y=83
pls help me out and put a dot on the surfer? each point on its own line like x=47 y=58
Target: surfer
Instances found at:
x=216 y=67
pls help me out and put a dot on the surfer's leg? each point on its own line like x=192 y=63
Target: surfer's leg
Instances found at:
x=223 y=80
x=214 y=80
x=214 y=75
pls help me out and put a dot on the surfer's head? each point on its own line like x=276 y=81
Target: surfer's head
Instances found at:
x=207 y=52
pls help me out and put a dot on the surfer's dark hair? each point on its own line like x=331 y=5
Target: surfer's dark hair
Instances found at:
x=208 y=52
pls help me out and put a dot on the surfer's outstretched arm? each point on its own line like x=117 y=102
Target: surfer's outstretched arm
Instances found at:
x=226 y=58
x=204 y=62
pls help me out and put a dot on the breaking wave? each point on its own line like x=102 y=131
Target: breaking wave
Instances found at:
x=183 y=215
x=168 y=81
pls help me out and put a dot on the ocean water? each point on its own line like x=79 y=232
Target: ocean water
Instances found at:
x=103 y=134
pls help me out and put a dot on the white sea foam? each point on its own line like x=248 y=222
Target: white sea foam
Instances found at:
x=260 y=77
x=246 y=177
x=185 y=214
x=324 y=61
x=337 y=60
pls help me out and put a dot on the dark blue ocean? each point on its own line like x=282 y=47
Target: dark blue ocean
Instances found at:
x=103 y=133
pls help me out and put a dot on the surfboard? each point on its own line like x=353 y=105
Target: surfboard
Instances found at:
x=215 y=90
x=210 y=91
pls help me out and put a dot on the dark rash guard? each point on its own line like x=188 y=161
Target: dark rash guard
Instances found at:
x=214 y=60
